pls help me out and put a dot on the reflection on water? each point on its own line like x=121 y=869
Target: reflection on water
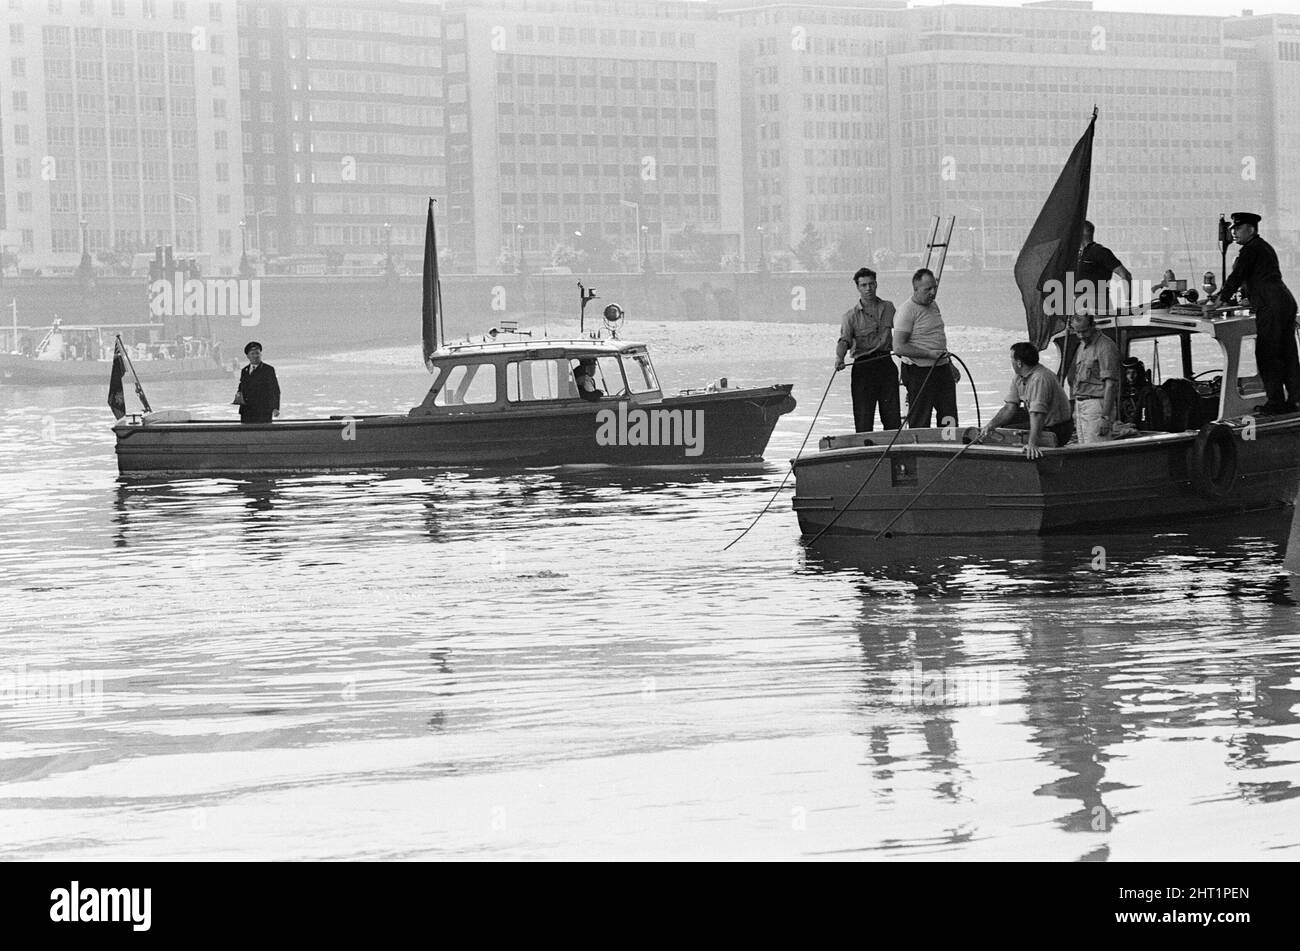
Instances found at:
x=1233 y=557
x=564 y=663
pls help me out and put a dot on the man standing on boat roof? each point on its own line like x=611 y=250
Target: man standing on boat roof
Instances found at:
x=1094 y=381
x=921 y=341
x=1043 y=397
x=867 y=329
x=1256 y=271
x=1093 y=271
x=258 y=396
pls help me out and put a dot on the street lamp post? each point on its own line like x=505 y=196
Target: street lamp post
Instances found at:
x=195 y=202
x=243 y=247
x=636 y=206
x=388 y=247
x=762 y=249
x=85 y=267
x=257 y=224
x=984 y=238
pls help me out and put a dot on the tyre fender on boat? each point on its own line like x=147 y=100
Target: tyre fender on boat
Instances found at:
x=1214 y=461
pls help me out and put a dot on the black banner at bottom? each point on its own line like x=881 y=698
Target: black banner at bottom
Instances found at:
x=139 y=901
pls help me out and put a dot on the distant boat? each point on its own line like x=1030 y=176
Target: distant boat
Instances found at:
x=513 y=400
x=1215 y=456
x=73 y=354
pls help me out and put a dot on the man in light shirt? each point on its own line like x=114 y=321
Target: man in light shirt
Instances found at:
x=920 y=340
x=868 y=329
x=1094 y=381
x=1043 y=397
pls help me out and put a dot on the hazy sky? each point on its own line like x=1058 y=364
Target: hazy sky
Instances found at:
x=1222 y=8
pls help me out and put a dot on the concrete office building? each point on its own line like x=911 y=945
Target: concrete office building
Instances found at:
x=1269 y=48
x=986 y=103
x=343 y=129
x=619 y=121
x=118 y=130
x=816 y=125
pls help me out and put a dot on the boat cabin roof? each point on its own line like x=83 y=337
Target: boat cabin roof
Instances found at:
x=540 y=349
x=1224 y=325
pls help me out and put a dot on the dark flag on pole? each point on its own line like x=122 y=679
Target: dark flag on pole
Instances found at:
x=116 y=398
x=431 y=311
x=1047 y=260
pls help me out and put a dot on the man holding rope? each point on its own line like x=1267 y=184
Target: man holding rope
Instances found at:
x=920 y=339
x=868 y=329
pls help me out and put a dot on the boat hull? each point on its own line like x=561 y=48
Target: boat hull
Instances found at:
x=996 y=490
x=18 y=370
x=731 y=427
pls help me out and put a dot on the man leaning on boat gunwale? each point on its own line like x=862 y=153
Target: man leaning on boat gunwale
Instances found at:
x=1043 y=397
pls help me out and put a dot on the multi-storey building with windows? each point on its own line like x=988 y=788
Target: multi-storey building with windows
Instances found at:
x=119 y=129
x=1270 y=46
x=986 y=103
x=816 y=124
x=343 y=125
x=971 y=110
x=573 y=122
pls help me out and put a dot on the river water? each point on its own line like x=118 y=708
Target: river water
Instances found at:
x=565 y=664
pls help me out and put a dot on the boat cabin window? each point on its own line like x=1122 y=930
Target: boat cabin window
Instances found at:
x=467 y=384
x=640 y=374
x=554 y=379
x=1248 y=380
x=530 y=380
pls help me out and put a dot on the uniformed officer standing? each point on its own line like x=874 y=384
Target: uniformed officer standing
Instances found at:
x=1256 y=269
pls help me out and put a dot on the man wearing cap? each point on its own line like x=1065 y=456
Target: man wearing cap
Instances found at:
x=868 y=329
x=258 y=396
x=1093 y=271
x=1256 y=269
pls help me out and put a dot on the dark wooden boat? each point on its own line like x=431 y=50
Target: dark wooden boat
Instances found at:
x=1211 y=456
x=491 y=404
x=1222 y=458
x=511 y=401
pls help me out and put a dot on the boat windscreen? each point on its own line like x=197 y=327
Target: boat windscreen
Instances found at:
x=640 y=374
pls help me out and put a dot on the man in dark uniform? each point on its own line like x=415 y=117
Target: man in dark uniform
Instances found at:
x=258 y=396
x=1256 y=272
x=1092 y=273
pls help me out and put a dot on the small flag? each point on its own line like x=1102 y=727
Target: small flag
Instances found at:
x=431 y=307
x=116 y=398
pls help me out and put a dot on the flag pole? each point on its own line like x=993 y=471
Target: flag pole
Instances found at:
x=139 y=389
